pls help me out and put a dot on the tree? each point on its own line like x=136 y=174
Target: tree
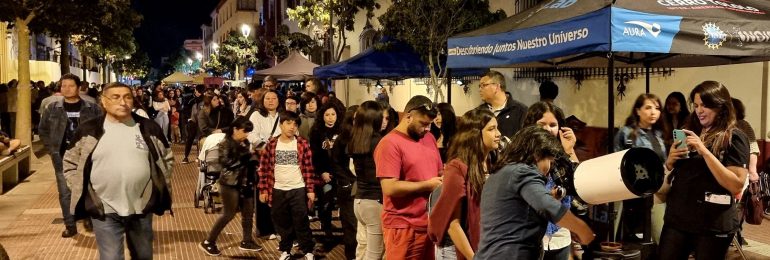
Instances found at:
x=237 y=50
x=28 y=15
x=286 y=42
x=214 y=66
x=333 y=18
x=427 y=24
x=136 y=66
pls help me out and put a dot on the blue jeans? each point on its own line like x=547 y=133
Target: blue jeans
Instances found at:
x=137 y=230
x=65 y=194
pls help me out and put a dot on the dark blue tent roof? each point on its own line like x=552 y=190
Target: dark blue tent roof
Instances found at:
x=398 y=60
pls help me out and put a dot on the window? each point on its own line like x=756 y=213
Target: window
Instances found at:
x=248 y=5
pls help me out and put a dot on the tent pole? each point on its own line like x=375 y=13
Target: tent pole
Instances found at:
x=347 y=91
x=610 y=100
x=449 y=86
x=647 y=77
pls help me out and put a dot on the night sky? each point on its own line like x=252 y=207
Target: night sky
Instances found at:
x=167 y=23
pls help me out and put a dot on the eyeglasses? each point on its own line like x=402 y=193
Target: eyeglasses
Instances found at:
x=484 y=85
x=116 y=99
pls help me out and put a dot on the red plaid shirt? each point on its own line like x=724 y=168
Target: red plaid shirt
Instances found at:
x=267 y=167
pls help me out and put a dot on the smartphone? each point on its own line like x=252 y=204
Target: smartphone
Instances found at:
x=679 y=136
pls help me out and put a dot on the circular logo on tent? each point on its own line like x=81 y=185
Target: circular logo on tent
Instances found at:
x=713 y=36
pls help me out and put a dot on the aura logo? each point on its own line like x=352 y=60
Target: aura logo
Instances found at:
x=713 y=36
x=642 y=29
x=560 y=4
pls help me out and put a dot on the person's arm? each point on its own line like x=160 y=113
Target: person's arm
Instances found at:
x=584 y=233
x=729 y=177
x=458 y=236
x=539 y=198
x=395 y=188
x=753 y=175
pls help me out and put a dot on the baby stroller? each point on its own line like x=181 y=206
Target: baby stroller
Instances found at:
x=208 y=189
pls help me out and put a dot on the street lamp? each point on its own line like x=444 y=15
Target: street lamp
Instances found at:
x=198 y=55
x=189 y=65
x=245 y=30
x=215 y=47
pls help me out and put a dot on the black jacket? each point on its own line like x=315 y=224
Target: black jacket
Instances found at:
x=511 y=117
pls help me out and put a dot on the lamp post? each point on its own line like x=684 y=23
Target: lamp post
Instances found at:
x=245 y=30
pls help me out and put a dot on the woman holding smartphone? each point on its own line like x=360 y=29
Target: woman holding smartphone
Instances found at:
x=700 y=205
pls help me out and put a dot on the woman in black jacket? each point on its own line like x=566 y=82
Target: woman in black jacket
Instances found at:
x=325 y=132
x=236 y=188
x=219 y=116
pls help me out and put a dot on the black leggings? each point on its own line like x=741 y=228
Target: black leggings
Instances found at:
x=676 y=244
x=192 y=132
x=232 y=201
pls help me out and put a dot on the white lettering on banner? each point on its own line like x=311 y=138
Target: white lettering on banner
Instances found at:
x=653 y=29
x=521 y=44
x=753 y=36
x=708 y=4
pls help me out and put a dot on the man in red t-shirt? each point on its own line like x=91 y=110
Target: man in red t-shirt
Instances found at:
x=408 y=166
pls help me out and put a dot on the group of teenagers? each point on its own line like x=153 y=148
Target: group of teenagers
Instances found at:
x=496 y=199
x=281 y=160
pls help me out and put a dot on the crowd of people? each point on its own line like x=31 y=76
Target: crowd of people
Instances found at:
x=424 y=183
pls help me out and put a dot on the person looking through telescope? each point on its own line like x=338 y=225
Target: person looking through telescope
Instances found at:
x=516 y=206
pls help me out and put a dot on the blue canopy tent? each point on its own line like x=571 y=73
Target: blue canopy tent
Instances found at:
x=619 y=33
x=396 y=61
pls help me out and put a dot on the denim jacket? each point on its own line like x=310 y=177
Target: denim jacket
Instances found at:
x=623 y=140
x=54 y=121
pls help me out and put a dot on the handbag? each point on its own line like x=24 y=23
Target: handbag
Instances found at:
x=753 y=209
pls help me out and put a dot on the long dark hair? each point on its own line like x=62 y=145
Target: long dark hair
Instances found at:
x=529 y=145
x=537 y=110
x=448 y=123
x=633 y=119
x=366 y=124
x=714 y=96
x=468 y=146
x=681 y=117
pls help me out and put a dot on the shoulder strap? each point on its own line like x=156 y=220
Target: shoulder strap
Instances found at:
x=274 y=126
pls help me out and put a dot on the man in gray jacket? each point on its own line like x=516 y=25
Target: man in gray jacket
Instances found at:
x=119 y=170
x=57 y=127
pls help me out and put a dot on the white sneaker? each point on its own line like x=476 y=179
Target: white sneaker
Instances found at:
x=273 y=237
x=309 y=256
x=285 y=256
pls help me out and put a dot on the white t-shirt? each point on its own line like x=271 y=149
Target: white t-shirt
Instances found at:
x=287 y=173
x=120 y=174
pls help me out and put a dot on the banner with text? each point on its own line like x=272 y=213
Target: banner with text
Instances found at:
x=585 y=33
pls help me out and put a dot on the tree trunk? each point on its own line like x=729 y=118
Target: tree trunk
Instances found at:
x=24 y=104
x=84 y=66
x=65 y=60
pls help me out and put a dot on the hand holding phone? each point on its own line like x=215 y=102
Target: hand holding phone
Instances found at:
x=680 y=136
